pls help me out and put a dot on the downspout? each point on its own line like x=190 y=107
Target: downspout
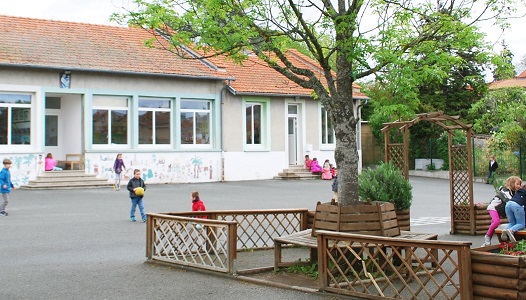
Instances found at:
x=222 y=99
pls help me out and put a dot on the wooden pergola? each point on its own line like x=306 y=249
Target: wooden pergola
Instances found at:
x=463 y=218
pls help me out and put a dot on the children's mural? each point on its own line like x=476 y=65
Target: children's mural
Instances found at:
x=158 y=168
x=155 y=168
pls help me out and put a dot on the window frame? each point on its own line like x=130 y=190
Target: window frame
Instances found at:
x=10 y=119
x=325 y=125
x=154 y=128
x=109 y=109
x=264 y=124
x=195 y=111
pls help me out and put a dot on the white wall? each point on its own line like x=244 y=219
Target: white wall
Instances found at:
x=254 y=165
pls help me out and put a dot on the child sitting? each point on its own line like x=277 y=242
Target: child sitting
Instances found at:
x=308 y=161
x=315 y=167
x=326 y=172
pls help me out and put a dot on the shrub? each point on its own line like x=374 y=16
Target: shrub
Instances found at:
x=385 y=183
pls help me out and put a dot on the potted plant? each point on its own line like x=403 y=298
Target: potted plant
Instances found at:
x=385 y=183
x=499 y=271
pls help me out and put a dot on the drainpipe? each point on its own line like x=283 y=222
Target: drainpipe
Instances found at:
x=222 y=99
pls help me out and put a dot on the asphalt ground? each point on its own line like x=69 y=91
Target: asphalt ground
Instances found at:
x=80 y=244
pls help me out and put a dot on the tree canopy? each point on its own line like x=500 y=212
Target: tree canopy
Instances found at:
x=366 y=38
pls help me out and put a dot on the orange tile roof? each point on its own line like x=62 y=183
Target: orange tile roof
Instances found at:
x=80 y=46
x=71 y=45
x=514 y=82
x=255 y=77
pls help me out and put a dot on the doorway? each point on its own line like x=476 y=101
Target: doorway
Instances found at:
x=293 y=136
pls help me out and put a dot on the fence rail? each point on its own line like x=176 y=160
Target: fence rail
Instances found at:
x=384 y=267
x=212 y=243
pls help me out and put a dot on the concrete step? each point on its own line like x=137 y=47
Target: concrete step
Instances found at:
x=70 y=179
x=296 y=172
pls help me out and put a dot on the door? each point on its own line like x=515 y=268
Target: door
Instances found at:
x=293 y=134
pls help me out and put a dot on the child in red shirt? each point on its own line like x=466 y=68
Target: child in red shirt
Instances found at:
x=197 y=204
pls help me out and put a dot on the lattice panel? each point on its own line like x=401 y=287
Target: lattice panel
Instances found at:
x=368 y=269
x=396 y=155
x=191 y=244
x=460 y=183
x=258 y=230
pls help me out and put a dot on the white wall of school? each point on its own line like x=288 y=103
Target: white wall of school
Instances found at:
x=253 y=165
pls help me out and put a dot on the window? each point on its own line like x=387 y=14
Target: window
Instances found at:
x=257 y=124
x=327 y=130
x=253 y=123
x=15 y=119
x=110 y=120
x=154 y=121
x=195 y=122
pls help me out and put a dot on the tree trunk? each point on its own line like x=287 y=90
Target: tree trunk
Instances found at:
x=346 y=152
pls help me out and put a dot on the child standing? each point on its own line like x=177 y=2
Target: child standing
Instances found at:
x=133 y=184
x=512 y=184
x=197 y=204
x=335 y=188
x=118 y=167
x=5 y=186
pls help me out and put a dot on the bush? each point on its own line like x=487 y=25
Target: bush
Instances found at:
x=386 y=184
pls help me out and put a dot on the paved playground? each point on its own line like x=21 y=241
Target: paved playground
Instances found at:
x=80 y=244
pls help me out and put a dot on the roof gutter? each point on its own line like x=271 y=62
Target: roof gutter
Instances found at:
x=233 y=91
x=114 y=72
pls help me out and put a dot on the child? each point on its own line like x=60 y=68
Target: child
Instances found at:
x=5 y=186
x=118 y=167
x=315 y=167
x=335 y=188
x=133 y=184
x=308 y=161
x=326 y=172
x=515 y=214
x=512 y=184
x=334 y=171
x=50 y=164
x=197 y=204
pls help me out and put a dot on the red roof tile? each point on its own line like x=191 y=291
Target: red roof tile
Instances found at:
x=70 y=45
x=255 y=77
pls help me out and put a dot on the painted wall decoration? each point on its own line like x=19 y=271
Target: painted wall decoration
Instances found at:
x=158 y=167
x=24 y=168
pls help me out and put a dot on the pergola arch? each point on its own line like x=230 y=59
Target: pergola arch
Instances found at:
x=460 y=165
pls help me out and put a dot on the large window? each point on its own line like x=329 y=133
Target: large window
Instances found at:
x=110 y=120
x=15 y=119
x=154 y=121
x=327 y=129
x=253 y=123
x=195 y=122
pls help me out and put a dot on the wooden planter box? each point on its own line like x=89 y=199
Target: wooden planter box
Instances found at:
x=376 y=218
x=497 y=276
x=404 y=219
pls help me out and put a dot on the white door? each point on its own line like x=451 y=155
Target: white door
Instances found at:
x=293 y=133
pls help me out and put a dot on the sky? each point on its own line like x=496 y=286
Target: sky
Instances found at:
x=99 y=11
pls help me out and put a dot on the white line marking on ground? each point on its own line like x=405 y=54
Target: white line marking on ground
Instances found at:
x=423 y=221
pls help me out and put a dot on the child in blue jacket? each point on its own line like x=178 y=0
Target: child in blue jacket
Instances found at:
x=5 y=186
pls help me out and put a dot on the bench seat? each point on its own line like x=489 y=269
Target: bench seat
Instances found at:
x=304 y=238
x=72 y=162
x=519 y=235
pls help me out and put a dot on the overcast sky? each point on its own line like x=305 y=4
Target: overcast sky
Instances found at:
x=99 y=11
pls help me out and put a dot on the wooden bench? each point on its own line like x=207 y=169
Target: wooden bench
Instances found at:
x=72 y=162
x=379 y=219
x=519 y=235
